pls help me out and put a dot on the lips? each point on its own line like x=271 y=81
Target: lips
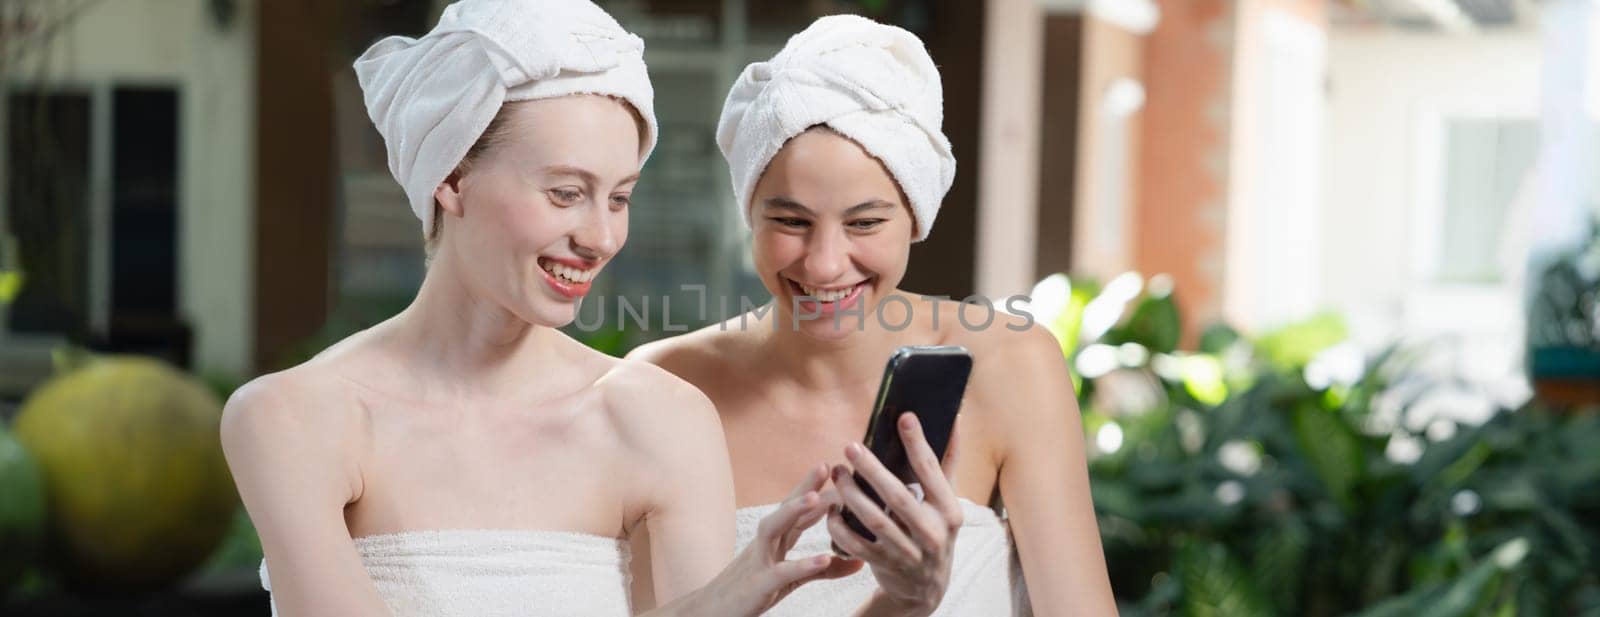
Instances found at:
x=569 y=277
x=827 y=300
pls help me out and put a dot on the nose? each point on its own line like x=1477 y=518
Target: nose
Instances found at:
x=596 y=236
x=827 y=256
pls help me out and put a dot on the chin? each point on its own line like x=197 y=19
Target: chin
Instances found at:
x=543 y=312
x=831 y=327
x=823 y=329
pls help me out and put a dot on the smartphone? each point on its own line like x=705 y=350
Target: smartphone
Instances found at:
x=928 y=381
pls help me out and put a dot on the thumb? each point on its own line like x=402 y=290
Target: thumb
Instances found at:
x=787 y=575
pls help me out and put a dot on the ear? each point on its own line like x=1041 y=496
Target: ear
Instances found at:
x=448 y=195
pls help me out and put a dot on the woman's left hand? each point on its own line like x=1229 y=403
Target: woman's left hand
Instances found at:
x=915 y=538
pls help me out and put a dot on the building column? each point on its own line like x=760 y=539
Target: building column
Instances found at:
x=295 y=166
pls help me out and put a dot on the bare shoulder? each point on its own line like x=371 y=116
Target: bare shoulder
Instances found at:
x=300 y=423
x=697 y=356
x=1013 y=345
x=306 y=411
x=1001 y=343
x=1018 y=369
x=668 y=431
x=649 y=403
x=309 y=397
x=285 y=404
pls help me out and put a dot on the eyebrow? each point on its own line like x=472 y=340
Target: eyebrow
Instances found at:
x=786 y=203
x=583 y=174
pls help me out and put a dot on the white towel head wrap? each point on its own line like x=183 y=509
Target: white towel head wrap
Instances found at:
x=870 y=82
x=431 y=98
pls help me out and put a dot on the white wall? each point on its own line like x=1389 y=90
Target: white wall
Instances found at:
x=1271 y=256
x=1390 y=96
x=1008 y=172
x=177 y=42
x=1387 y=91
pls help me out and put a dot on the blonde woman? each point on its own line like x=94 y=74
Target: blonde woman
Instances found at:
x=465 y=457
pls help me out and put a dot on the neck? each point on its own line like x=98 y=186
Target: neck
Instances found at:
x=459 y=342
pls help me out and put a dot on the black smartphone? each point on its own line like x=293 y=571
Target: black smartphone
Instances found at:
x=928 y=381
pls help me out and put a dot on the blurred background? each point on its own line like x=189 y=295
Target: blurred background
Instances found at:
x=1325 y=272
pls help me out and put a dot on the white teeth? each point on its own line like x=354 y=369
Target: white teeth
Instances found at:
x=568 y=273
x=826 y=295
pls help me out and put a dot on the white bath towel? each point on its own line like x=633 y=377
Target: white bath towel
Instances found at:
x=484 y=573
x=985 y=578
x=870 y=82
x=432 y=97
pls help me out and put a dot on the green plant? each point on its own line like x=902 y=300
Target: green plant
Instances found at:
x=1273 y=475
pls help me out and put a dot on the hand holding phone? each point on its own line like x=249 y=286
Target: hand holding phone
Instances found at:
x=927 y=384
x=914 y=544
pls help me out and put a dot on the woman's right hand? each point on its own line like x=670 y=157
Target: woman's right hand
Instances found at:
x=915 y=545
x=761 y=574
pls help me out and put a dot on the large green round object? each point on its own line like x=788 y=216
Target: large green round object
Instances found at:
x=137 y=490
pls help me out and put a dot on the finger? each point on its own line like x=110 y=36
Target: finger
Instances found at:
x=851 y=542
x=839 y=567
x=888 y=486
x=936 y=480
x=775 y=526
x=897 y=497
x=876 y=520
x=814 y=480
x=806 y=520
x=785 y=574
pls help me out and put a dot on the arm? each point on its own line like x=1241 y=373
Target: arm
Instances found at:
x=688 y=523
x=293 y=464
x=685 y=484
x=1044 y=478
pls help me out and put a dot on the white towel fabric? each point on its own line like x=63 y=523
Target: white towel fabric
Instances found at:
x=870 y=82
x=514 y=573
x=985 y=578
x=431 y=98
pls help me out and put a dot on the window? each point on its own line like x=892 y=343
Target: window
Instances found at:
x=92 y=205
x=47 y=210
x=1486 y=163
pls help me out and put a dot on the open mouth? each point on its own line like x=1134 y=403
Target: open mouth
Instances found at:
x=828 y=299
x=569 y=279
x=566 y=273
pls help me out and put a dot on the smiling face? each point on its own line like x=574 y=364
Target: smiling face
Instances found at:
x=830 y=223
x=530 y=223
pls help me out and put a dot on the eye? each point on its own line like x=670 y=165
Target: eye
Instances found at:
x=620 y=201
x=865 y=224
x=565 y=196
x=790 y=222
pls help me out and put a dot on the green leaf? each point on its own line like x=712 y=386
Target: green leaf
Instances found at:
x=1214 y=584
x=1203 y=378
x=1459 y=597
x=1154 y=324
x=1278 y=563
x=1332 y=449
x=1217 y=338
x=10 y=285
x=1294 y=345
